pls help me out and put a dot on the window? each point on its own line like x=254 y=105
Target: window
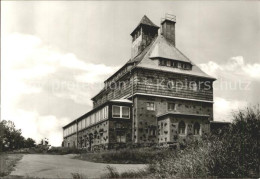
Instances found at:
x=79 y=125
x=125 y=112
x=163 y=62
x=84 y=123
x=170 y=84
x=181 y=128
x=87 y=121
x=95 y=117
x=101 y=114
x=105 y=113
x=150 y=106
x=150 y=80
x=172 y=63
x=91 y=119
x=116 y=111
x=121 y=112
x=171 y=106
x=179 y=64
x=121 y=85
x=186 y=66
x=98 y=116
x=193 y=86
x=196 y=129
x=118 y=125
x=168 y=63
x=121 y=138
x=152 y=132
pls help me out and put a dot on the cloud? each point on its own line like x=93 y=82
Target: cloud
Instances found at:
x=236 y=84
x=39 y=75
x=253 y=70
x=38 y=127
x=233 y=68
x=224 y=109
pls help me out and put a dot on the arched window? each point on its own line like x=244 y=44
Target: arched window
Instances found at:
x=181 y=127
x=196 y=129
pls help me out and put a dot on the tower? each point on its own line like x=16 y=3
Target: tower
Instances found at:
x=143 y=35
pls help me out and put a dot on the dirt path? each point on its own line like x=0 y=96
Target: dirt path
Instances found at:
x=58 y=166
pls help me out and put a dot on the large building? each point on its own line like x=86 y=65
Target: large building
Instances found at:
x=159 y=97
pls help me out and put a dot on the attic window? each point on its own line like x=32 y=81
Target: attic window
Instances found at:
x=186 y=66
x=179 y=65
x=162 y=62
x=169 y=63
x=175 y=64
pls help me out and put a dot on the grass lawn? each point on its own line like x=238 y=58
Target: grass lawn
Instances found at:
x=125 y=156
x=7 y=163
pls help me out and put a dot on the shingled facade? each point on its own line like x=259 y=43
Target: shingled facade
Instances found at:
x=158 y=97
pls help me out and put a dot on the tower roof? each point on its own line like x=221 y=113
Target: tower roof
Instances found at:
x=145 y=21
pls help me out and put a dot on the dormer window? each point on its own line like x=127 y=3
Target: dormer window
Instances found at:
x=174 y=64
x=179 y=64
x=169 y=63
x=162 y=62
x=187 y=66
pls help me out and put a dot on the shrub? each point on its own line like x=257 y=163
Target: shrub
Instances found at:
x=63 y=150
x=233 y=153
x=236 y=151
x=137 y=155
x=188 y=163
x=113 y=173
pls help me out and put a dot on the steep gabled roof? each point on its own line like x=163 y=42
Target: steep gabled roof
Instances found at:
x=165 y=49
x=145 y=21
x=162 y=48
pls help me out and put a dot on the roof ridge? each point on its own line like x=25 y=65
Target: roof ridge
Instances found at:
x=145 y=20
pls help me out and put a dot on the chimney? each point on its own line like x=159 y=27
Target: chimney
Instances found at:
x=168 y=27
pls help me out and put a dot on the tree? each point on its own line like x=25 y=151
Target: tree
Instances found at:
x=235 y=152
x=11 y=138
x=29 y=142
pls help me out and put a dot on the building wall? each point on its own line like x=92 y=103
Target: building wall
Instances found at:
x=120 y=133
x=70 y=141
x=145 y=120
x=115 y=90
x=168 y=133
x=107 y=134
x=160 y=83
x=157 y=83
x=95 y=137
x=144 y=125
x=103 y=134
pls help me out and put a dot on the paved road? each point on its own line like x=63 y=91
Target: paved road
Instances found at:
x=58 y=166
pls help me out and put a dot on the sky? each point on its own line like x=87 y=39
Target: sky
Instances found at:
x=55 y=55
